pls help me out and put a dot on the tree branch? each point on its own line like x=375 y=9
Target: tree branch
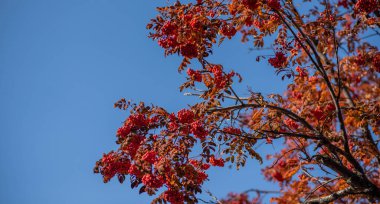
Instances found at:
x=319 y=67
x=320 y=186
x=332 y=197
x=282 y=110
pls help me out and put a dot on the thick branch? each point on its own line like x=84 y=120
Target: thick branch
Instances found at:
x=358 y=182
x=320 y=186
x=332 y=197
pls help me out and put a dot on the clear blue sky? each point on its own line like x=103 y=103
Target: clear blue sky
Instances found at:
x=62 y=66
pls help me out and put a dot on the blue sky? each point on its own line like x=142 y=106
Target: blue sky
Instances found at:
x=62 y=66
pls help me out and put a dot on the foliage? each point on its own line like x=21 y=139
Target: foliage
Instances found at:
x=328 y=119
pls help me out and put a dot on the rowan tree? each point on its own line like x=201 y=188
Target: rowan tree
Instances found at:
x=328 y=120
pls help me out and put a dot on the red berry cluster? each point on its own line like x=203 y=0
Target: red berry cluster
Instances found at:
x=278 y=61
x=221 y=80
x=132 y=144
x=173 y=196
x=168 y=38
x=169 y=28
x=186 y=34
x=232 y=130
x=198 y=130
x=194 y=75
x=135 y=171
x=274 y=4
x=134 y=122
x=199 y=164
x=189 y=50
x=216 y=162
x=228 y=30
x=149 y=160
x=301 y=72
x=153 y=181
x=185 y=124
x=251 y=4
x=367 y=6
x=114 y=163
x=168 y=42
x=137 y=121
x=343 y=3
x=185 y=116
